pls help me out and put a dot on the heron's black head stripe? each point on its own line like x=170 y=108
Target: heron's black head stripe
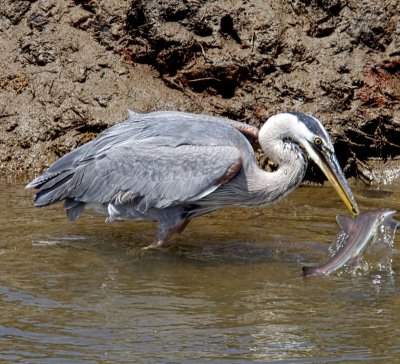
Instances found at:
x=310 y=123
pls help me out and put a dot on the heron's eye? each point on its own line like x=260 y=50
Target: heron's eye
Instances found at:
x=318 y=141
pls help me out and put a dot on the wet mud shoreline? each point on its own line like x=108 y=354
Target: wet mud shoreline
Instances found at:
x=70 y=69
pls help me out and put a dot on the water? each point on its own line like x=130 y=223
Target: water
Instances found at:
x=230 y=291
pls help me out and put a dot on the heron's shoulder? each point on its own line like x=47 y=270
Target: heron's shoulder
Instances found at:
x=178 y=120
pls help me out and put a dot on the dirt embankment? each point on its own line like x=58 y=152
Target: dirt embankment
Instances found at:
x=69 y=69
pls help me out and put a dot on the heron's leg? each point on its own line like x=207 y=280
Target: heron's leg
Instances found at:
x=165 y=232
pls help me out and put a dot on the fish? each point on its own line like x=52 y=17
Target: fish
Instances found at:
x=358 y=232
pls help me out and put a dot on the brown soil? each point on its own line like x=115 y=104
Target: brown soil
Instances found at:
x=69 y=69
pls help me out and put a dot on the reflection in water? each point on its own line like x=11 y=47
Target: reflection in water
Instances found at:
x=229 y=290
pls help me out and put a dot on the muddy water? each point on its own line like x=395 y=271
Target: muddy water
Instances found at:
x=230 y=291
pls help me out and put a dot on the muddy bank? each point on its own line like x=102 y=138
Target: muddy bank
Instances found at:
x=69 y=69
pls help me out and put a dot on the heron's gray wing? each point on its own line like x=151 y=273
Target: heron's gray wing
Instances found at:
x=173 y=127
x=152 y=176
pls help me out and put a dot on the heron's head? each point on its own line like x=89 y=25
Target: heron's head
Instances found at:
x=311 y=136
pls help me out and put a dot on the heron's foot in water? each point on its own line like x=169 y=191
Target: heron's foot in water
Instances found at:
x=165 y=234
x=154 y=246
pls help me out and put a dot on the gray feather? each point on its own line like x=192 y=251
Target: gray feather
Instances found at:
x=161 y=159
x=162 y=176
x=73 y=208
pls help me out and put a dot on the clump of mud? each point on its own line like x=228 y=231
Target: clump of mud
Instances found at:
x=70 y=69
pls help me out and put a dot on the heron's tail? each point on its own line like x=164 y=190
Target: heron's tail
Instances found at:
x=52 y=187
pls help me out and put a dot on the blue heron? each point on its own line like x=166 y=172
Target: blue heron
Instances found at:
x=170 y=166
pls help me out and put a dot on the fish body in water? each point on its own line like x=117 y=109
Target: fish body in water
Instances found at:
x=358 y=232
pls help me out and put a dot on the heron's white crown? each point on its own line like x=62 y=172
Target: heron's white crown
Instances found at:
x=299 y=128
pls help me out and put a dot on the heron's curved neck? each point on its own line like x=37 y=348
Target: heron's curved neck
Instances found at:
x=275 y=140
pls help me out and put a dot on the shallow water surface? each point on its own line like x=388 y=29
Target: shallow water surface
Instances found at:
x=229 y=290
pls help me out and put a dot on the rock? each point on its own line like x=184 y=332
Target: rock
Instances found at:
x=71 y=69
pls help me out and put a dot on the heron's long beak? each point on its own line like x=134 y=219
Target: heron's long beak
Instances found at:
x=327 y=161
